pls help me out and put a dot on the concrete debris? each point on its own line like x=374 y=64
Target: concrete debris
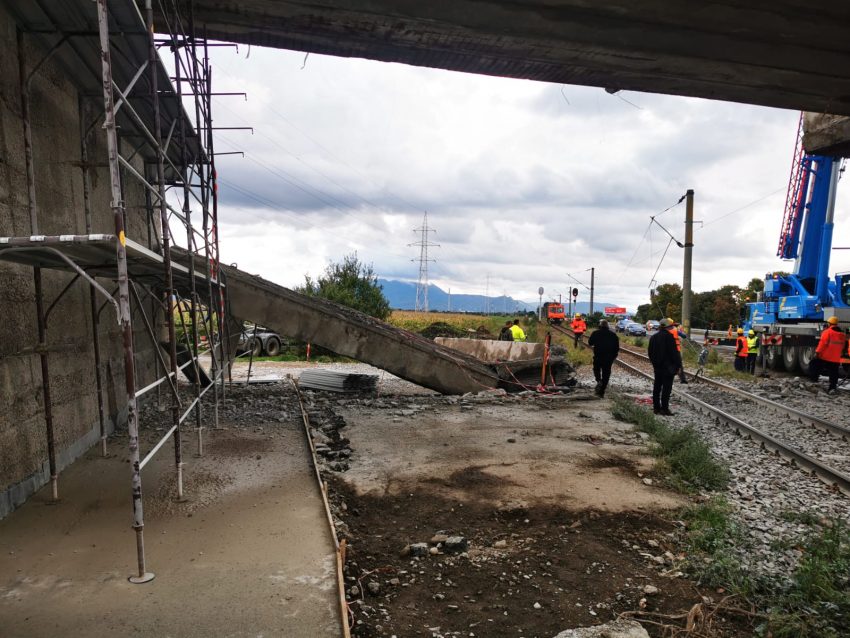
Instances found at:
x=616 y=629
x=455 y=545
x=524 y=375
x=415 y=549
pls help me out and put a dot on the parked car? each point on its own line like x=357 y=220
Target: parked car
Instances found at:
x=622 y=323
x=634 y=329
x=652 y=324
x=262 y=342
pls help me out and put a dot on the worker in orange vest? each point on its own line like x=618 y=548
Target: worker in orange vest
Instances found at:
x=831 y=347
x=579 y=327
x=673 y=329
x=730 y=332
x=741 y=351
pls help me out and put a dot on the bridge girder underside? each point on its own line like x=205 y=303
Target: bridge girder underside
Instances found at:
x=781 y=53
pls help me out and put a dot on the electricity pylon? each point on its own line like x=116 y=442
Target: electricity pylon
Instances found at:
x=424 y=244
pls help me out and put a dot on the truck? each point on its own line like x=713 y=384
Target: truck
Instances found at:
x=790 y=313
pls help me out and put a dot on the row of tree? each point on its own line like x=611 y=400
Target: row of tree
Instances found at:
x=722 y=307
x=355 y=284
x=349 y=283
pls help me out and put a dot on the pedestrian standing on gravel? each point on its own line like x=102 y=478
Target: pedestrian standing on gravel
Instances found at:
x=606 y=347
x=674 y=330
x=741 y=351
x=516 y=332
x=505 y=334
x=832 y=346
x=752 y=351
x=666 y=361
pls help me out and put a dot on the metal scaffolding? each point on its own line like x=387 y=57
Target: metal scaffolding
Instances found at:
x=159 y=134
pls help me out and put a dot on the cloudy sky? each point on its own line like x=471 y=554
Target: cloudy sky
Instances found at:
x=524 y=182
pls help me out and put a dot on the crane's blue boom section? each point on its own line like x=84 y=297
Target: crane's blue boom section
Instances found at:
x=807 y=238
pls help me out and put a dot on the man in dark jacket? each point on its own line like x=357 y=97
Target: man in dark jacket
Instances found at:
x=666 y=361
x=606 y=347
x=505 y=333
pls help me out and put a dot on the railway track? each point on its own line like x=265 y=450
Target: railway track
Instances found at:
x=802 y=453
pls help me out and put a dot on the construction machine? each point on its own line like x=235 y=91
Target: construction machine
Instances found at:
x=793 y=307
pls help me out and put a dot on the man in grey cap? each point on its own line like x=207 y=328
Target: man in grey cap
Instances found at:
x=606 y=347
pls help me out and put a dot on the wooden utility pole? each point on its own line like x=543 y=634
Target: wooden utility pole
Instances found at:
x=689 y=247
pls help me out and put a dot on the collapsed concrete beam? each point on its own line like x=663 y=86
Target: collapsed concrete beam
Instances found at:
x=356 y=335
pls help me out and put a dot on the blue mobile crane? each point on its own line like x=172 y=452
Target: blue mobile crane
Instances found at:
x=791 y=310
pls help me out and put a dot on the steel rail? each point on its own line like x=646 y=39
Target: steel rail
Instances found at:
x=828 y=475
x=841 y=431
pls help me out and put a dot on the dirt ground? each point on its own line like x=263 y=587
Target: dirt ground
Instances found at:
x=563 y=521
x=248 y=554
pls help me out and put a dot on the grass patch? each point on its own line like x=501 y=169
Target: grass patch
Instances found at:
x=818 y=601
x=418 y=321
x=813 y=603
x=462 y=322
x=578 y=357
x=727 y=371
x=711 y=537
x=683 y=455
x=794 y=516
x=635 y=342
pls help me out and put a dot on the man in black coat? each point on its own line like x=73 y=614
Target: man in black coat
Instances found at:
x=505 y=333
x=666 y=361
x=606 y=347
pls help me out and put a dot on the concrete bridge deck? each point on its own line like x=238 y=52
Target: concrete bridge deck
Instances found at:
x=356 y=335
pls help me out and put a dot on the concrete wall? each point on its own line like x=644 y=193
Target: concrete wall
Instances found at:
x=58 y=179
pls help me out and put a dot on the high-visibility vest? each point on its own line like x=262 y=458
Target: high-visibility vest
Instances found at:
x=578 y=325
x=753 y=345
x=518 y=333
x=673 y=330
x=741 y=342
x=832 y=345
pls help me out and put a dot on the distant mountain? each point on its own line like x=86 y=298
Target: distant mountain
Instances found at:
x=402 y=296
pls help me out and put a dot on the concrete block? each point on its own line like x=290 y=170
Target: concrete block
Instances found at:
x=492 y=351
x=826 y=134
